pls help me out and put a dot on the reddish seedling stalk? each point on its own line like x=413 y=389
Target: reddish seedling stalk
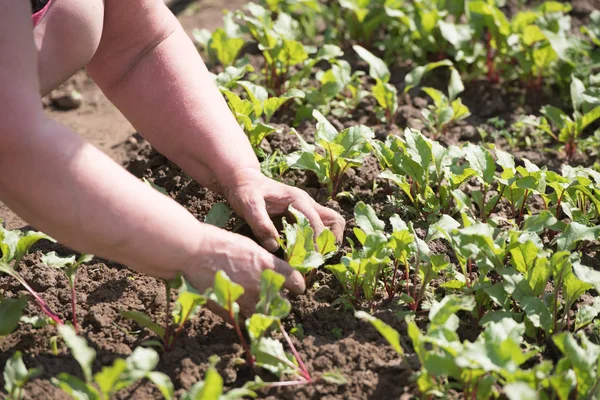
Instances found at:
x=302 y=367
x=74 y=306
x=492 y=74
x=43 y=305
x=391 y=289
x=238 y=331
x=522 y=210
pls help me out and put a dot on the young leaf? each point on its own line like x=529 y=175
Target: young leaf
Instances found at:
x=226 y=292
x=389 y=333
x=10 y=314
x=218 y=215
x=84 y=354
x=16 y=374
x=144 y=320
x=271 y=301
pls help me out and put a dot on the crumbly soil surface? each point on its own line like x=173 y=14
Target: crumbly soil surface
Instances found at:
x=333 y=338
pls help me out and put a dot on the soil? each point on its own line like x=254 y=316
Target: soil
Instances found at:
x=333 y=337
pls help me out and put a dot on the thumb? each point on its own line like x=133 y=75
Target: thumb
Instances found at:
x=258 y=218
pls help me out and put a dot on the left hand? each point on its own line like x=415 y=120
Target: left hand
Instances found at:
x=256 y=198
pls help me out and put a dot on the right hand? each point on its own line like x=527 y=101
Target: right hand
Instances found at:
x=243 y=261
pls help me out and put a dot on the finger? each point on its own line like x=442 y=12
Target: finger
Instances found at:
x=257 y=217
x=333 y=220
x=294 y=281
x=307 y=207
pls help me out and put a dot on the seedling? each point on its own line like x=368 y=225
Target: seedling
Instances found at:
x=187 y=303
x=69 y=265
x=299 y=244
x=445 y=111
x=570 y=128
x=341 y=151
x=16 y=376
x=14 y=246
x=385 y=93
x=11 y=311
x=120 y=375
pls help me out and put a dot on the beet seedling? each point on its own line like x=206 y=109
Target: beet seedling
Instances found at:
x=11 y=311
x=302 y=251
x=340 y=151
x=570 y=128
x=14 y=246
x=187 y=305
x=106 y=383
x=16 y=376
x=69 y=265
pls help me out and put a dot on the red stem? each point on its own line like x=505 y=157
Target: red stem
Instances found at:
x=74 y=306
x=295 y=353
x=43 y=305
x=238 y=331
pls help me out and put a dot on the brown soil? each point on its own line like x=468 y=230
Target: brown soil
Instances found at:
x=372 y=368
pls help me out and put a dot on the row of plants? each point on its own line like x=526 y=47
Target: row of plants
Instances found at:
x=470 y=238
x=296 y=75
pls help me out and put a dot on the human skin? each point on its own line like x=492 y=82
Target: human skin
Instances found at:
x=141 y=58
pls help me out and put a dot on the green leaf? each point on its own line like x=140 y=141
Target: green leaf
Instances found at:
x=226 y=292
x=299 y=243
x=109 y=376
x=456 y=86
x=586 y=314
x=481 y=161
x=271 y=302
x=163 y=383
x=226 y=48
x=80 y=350
x=414 y=77
x=258 y=325
x=10 y=314
x=144 y=320
x=520 y=391
x=16 y=374
x=218 y=215
x=441 y=311
x=377 y=67
x=574 y=234
x=27 y=241
x=577 y=91
x=326 y=244
x=211 y=388
x=187 y=303
x=270 y=355
x=75 y=387
x=366 y=219
x=583 y=362
x=389 y=333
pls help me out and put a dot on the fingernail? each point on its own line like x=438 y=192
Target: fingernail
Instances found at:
x=271 y=244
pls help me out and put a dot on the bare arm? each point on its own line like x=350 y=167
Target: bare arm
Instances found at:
x=69 y=189
x=150 y=69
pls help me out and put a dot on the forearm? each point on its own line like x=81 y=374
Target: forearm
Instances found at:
x=72 y=191
x=169 y=96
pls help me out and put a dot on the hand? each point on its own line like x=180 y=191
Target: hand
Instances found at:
x=256 y=198
x=242 y=260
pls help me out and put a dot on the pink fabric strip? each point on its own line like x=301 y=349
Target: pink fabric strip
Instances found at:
x=37 y=17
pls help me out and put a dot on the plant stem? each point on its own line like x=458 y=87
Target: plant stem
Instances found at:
x=557 y=284
x=295 y=353
x=523 y=206
x=286 y=383
x=482 y=207
x=238 y=331
x=43 y=305
x=167 y=339
x=74 y=306
x=392 y=290
x=495 y=204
